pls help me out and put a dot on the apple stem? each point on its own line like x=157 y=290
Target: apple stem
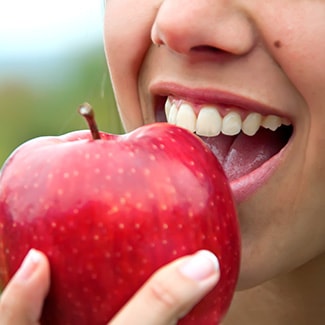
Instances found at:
x=88 y=113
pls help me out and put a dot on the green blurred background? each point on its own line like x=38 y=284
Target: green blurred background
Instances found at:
x=40 y=90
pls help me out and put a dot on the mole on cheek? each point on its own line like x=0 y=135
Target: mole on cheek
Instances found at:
x=277 y=44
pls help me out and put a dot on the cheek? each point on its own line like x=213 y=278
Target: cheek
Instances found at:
x=295 y=41
x=127 y=37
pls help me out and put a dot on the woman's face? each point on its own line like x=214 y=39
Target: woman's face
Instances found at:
x=237 y=64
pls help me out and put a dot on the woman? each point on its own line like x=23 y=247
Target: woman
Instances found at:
x=255 y=69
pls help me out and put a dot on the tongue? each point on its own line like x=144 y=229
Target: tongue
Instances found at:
x=242 y=154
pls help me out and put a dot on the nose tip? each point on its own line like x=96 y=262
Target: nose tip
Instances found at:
x=201 y=27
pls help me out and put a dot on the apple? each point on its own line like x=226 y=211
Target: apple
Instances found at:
x=108 y=210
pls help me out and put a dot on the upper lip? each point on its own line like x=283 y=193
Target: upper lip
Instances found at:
x=213 y=97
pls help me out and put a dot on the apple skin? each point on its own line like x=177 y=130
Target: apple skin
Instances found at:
x=110 y=212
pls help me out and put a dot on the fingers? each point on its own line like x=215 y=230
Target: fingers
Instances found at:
x=22 y=300
x=172 y=291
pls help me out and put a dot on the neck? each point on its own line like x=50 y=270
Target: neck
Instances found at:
x=294 y=298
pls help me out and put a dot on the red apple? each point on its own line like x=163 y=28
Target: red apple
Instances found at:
x=108 y=210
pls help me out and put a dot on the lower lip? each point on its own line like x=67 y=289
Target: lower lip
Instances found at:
x=245 y=186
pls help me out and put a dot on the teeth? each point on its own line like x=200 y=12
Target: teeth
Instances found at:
x=173 y=114
x=252 y=123
x=271 y=122
x=186 y=117
x=168 y=106
x=210 y=123
x=231 y=124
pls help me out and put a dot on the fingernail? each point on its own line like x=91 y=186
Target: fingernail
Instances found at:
x=28 y=265
x=201 y=266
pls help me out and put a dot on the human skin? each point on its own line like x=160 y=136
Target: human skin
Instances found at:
x=267 y=51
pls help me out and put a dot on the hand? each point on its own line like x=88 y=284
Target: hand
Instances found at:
x=165 y=298
x=22 y=300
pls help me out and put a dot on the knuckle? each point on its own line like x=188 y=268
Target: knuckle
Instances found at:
x=161 y=292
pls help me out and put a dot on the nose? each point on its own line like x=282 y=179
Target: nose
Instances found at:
x=192 y=26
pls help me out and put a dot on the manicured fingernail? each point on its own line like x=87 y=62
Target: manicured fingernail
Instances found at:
x=28 y=265
x=201 y=266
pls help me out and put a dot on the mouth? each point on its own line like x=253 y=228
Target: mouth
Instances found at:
x=249 y=143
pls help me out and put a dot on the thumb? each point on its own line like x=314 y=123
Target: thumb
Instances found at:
x=172 y=291
x=22 y=300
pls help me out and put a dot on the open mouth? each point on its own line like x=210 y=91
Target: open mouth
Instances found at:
x=242 y=140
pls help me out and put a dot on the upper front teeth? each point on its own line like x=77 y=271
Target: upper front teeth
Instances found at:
x=209 y=121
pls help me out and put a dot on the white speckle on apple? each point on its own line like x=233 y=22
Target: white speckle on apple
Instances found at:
x=131 y=154
x=151 y=195
x=60 y=191
x=97 y=171
x=113 y=209
x=162 y=146
x=163 y=207
x=50 y=176
x=97 y=156
x=165 y=226
x=96 y=237
x=180 y=226
x=146 y=172
x=66 y=175
x=120 y=171
x=137 y=226
x=46 y=207
x=35 y=185
x=122 y=200
x=139 y=205
x=87 y=156
x=121 y=225
x=133 y=170
x=190 y=214
x=75 y=173
x=192 y=163
x=53 y=224
x=164 y=241
x=75 y=211
x=108 y=177
x=152 y=157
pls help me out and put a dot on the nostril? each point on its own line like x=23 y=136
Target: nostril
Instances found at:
x=206 y=48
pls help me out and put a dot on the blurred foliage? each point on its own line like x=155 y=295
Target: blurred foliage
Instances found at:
x=30 y=109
